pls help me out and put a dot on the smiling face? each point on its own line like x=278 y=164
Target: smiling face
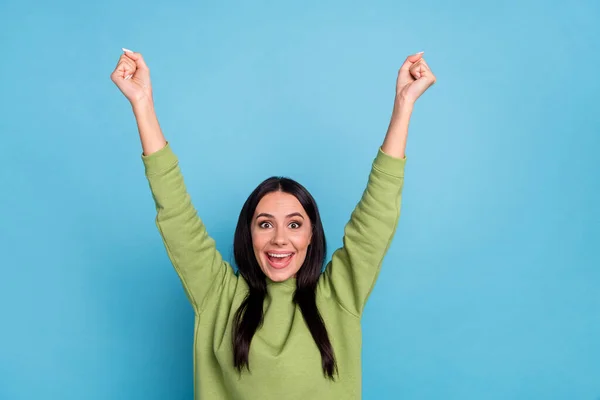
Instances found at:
x=281 y=232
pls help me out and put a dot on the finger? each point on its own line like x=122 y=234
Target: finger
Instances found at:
x=424 y=68
x=121 y=73
x=410 y=60
x=414 y=71
x=126 y=59
x=427 y=78
x=419 y=68
x=425 y=64
x=123 y=60
x=137 y=58
x=404 y=73
x=126 y=67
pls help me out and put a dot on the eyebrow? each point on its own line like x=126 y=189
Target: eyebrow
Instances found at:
x=295 y=214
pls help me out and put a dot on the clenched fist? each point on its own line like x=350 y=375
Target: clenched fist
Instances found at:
x=414 y=78
x=132 y=77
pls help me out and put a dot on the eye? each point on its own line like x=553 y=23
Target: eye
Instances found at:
x=295 y=225
x=265 y=224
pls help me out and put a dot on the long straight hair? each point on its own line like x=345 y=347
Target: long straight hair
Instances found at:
x=249 y=316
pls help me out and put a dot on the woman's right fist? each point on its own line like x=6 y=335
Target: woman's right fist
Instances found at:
x=132 y=77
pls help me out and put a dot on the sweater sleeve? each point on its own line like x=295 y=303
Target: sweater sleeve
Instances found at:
x=354 y=267
x=191 y=250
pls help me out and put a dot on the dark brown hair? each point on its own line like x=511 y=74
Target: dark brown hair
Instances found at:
x=249 y=315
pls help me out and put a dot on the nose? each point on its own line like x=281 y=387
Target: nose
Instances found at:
x=279 y=237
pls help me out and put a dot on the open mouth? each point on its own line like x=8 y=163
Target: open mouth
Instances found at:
x=279 y=260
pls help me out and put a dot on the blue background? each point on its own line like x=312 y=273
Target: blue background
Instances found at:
x=491 y=287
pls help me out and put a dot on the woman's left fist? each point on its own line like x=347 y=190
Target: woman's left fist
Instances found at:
x=414 y=78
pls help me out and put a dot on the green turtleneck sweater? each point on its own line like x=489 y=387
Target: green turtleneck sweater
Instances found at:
x=285 y=362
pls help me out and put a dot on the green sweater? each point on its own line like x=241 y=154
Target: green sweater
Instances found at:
x=285 y=362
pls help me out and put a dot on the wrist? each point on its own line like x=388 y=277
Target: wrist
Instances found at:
x=142 y=106
x=403 y=107
x=394 y=143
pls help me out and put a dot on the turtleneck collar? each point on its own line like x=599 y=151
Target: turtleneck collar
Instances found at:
x=290 y=283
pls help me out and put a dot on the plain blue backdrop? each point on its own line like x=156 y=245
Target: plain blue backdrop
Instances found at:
x=491 y=287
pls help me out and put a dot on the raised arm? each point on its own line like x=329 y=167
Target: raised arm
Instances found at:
x=353 y=270
x=189 y=247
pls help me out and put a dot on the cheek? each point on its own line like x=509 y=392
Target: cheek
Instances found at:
x=301 y=243
x=259 y=241
x=301 y=240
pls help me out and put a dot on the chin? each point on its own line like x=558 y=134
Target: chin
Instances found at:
x=279 y=277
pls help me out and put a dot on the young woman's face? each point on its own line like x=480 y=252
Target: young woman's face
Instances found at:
x=281 y=232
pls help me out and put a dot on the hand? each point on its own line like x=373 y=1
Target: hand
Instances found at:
x=132 y=77
x=414 y=78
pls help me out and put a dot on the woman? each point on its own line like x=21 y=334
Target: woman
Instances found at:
x=280 y=328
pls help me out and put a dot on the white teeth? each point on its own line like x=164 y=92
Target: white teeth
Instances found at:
x=279 y=255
